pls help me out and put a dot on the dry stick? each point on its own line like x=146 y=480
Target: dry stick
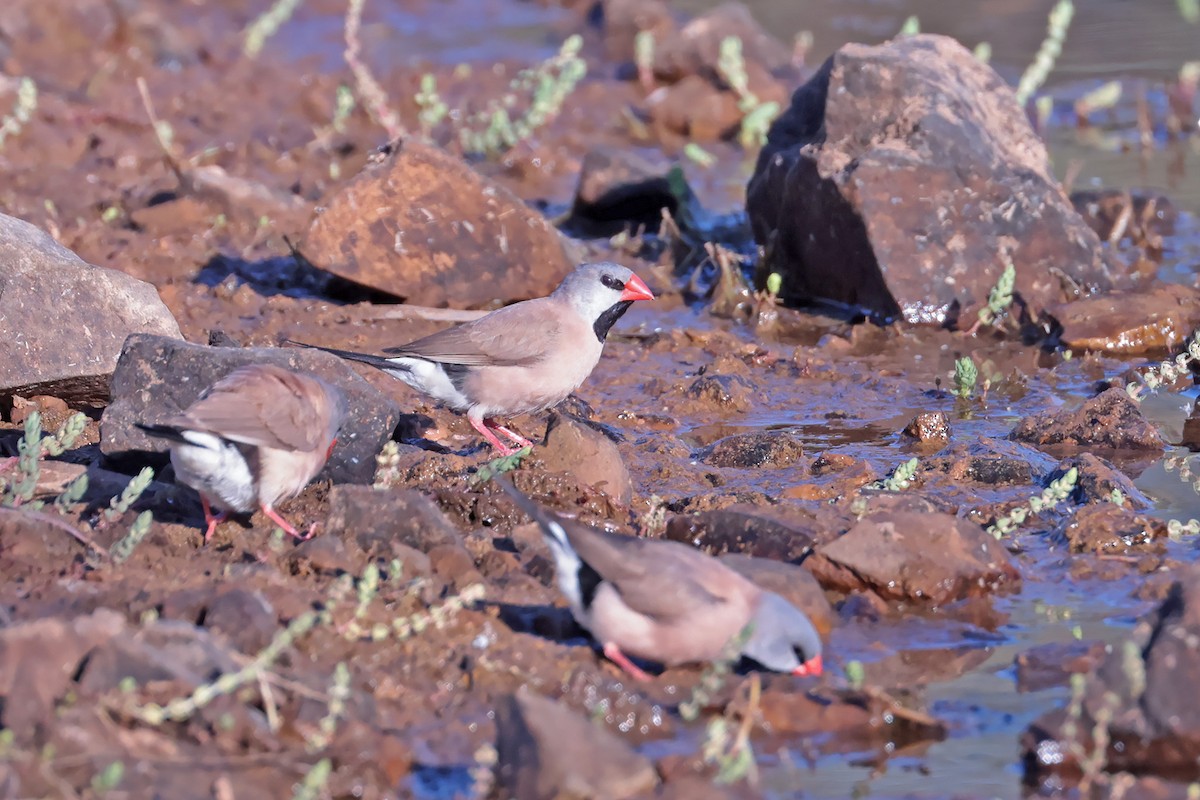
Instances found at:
x=372 y=94
x=156 y=125
x=427 y=313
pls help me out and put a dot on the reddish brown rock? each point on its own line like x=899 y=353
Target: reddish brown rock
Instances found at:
x=913 y=135
x=765 y=449
x=1053 y=663
x=545 y=750
x=722 y=392
x=1097 y=480
x=1144 y=691
x=779 y=534
x=44 y=284
x=696 y=49
x=1110 y=420
x=588 y=455
x=695 y=109
x=930 y=558
x=422 y=225
x=930 y=427
x=625 y=19
x=1151 y=320
x=1108 y=529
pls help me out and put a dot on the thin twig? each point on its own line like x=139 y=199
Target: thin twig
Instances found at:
x=374 y=98
x=427 y=313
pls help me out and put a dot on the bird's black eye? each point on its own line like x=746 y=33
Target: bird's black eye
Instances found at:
x=613 y=283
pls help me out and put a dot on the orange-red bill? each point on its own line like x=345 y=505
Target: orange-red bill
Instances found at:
x=813 y=667
x=636 y=289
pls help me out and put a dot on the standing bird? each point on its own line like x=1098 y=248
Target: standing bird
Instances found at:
x=255 y=437
x=519 y=359
x=664 y=601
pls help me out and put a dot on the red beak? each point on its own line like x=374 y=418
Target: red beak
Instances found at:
x=813 y=667
x=636 y=289
x=329 y=452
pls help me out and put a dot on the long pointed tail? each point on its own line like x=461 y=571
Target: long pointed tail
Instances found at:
x=549 y=523
x=379 y=362
x=167 y=432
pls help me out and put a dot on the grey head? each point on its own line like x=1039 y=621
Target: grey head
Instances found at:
x=783 y=639
x=601 y=293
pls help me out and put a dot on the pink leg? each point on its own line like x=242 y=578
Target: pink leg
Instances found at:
x=614 y=654
x=481 y=426
x=212 y=519
x=521 y=441
x=273 y=515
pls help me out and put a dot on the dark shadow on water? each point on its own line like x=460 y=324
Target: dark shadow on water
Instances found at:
x=285 y=275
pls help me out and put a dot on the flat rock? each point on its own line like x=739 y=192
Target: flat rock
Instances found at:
x=914 y=135
x=792 y=582
x=992 y=462
x=763 y=449
x=1155 y=320
x=924 y=557
x=63 y=320
x=546 y=751
x=588 y=455
x=1145 y=689
x=420 y=224
x=158 y=377
x=778 y=534
x=1110 y=420
x=1053 y=663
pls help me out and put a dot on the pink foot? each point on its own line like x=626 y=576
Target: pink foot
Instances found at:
x=520 y=440
x=212 y=519
x=273 y=515
x=482 y=426
x=614 y=654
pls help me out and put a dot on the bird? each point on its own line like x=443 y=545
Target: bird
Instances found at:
x=520 y=359
x=666 y=602
x=253 y=438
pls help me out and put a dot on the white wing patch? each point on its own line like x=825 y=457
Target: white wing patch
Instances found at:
x=566 y=570
x=215 y=468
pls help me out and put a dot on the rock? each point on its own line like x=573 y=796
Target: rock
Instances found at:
x=245 y=617
x=695 y=109
x=164 y=650
x=45 y=285
x=930 y=427
x=773 y=449
x=587 y=455
x=1115 y=215
x=1108 y=529
x=157 y=377
x=992 y=462
x=696 y=49
x=1053 y=663
x=722 y=392
x=930 y=558
x=1150 y=320
x=623 y=20
x=913 y=135
x=422 y=225
x=1111 y=420
x=546 y=751
x=38 y=662
x=792 y=582
x=618 y=189
x=779 y=534
x=1096 y=481
x=1144 y=690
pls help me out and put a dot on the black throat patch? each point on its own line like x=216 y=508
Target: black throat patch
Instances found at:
x=605 y=321
x=589 y=583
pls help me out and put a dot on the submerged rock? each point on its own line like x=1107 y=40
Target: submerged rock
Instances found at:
x=1143 y=695
x=63 y=320
x=1108 y=529
x=930 y=558
x=1053 y=663
x=1151 y=320
x=771 y=449
x=158 y=377
x=545 y=750
x=422 y=225
x=913 y=135
x=1111 y=420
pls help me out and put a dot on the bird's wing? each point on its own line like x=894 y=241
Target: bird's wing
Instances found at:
x=660 y=579
x=517 y=335
x=261 y=405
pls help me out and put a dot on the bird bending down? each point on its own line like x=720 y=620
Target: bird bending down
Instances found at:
x=253 y=438
x=666 y=602
x=519 y=359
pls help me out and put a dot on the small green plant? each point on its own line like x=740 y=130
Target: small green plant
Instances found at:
x=1092 y=760
x=902 y=476
x=731 y=751
x=713 y=678
x=1167 y=372
x=267 y=25
x=433 y=108
x=387 y=466
x=498 y=466
x=339 y=693
x=983 y=52
x=27 y=101
x=1056 y=33
x=643 y=57
x=856 y=675
x=1189 y=10
x=312 y=787
x=966 y=375
x=493 y=130
x=19 y=489
x=1176 y=529
x=125 y=546
x=757 y=116
x=1001 y=295
x=911 y=27
x=698 y=154
x=109 y=778
x=1058 y=491
x=121 y=503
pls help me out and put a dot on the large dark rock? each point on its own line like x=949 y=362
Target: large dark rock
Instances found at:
x=896 y=176
x=545 y=750
x=1143 y=694
x=618 y=189
x=63 y=321
x=1110 y=420
x=925 y=557
x=780 y=534
x=157 y=377
x=422 y=225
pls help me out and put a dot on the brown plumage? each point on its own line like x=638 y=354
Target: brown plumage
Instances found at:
x=255 y=437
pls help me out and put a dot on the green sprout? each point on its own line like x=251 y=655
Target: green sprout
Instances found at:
x=1054 y=494
x=1001 y=295
x=966 y=374
x=1056 y=33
